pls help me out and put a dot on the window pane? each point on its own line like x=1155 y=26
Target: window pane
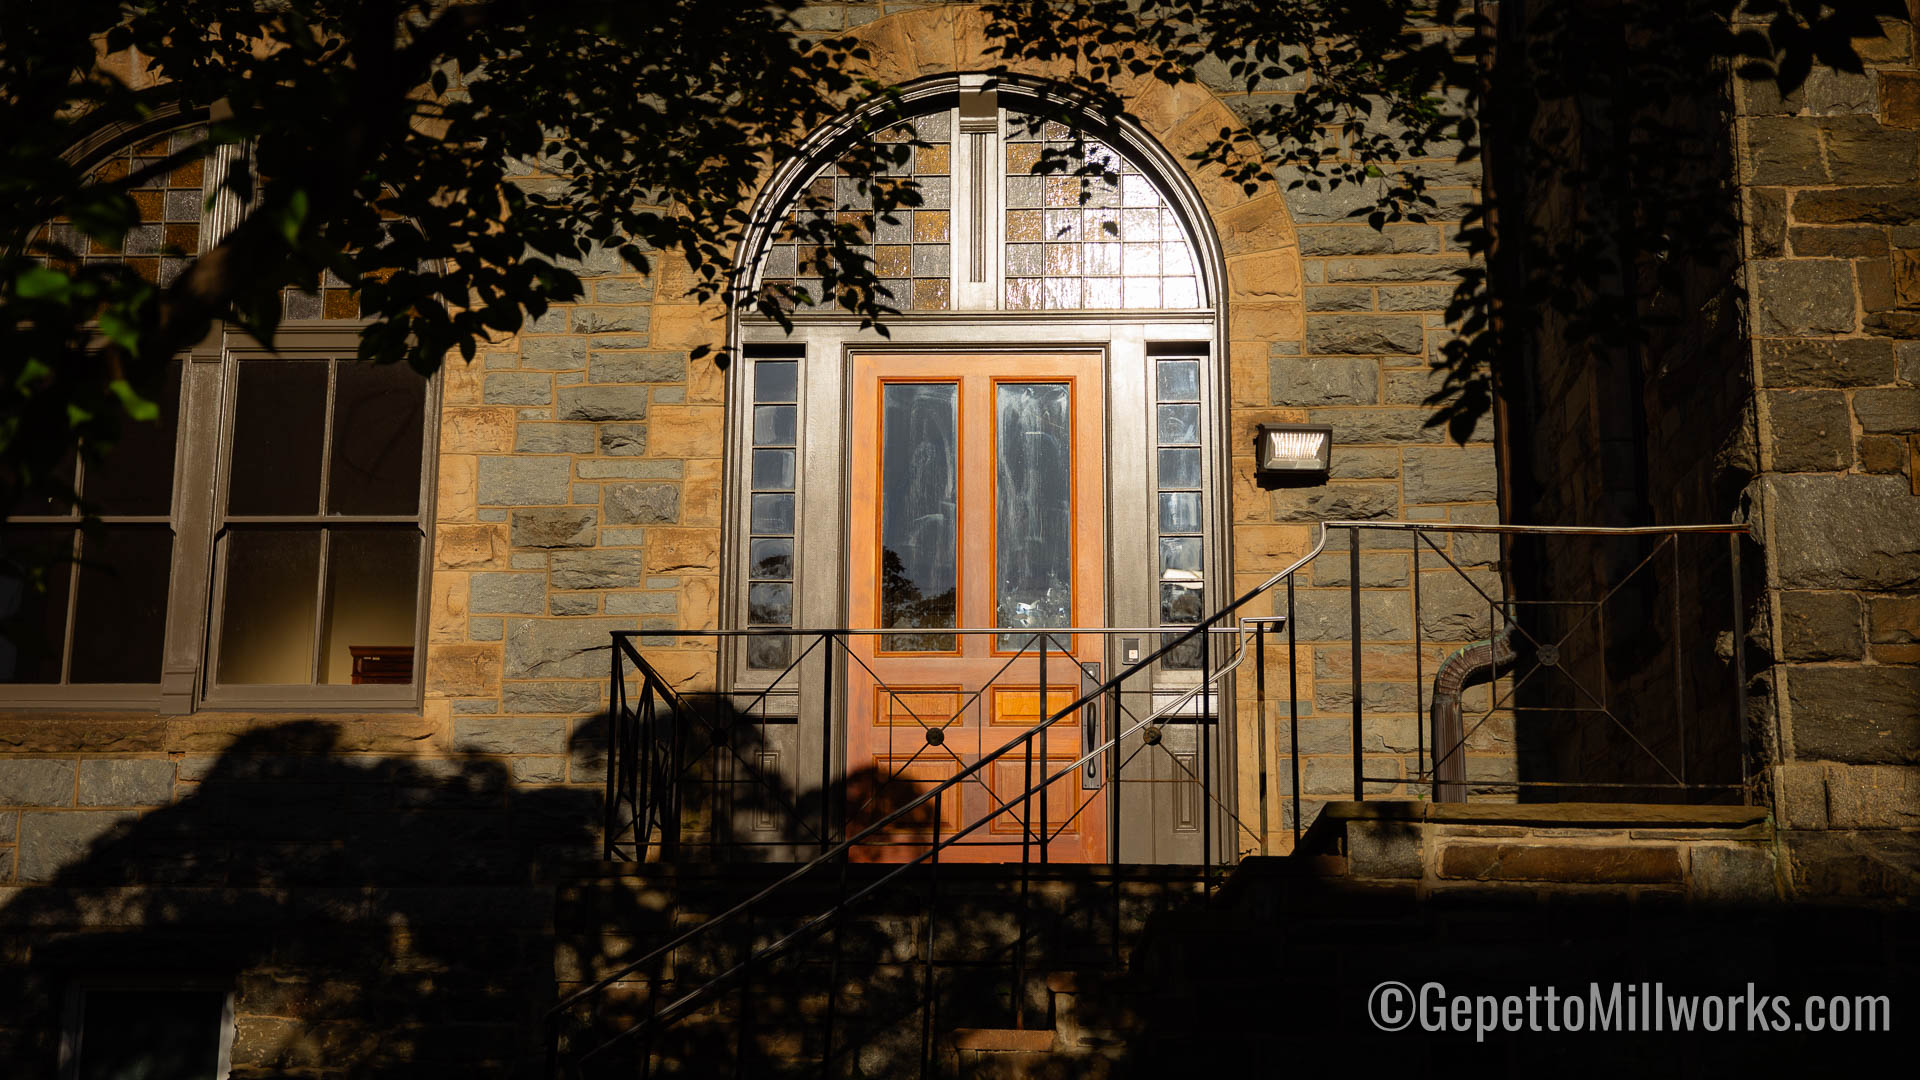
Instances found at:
x=1033 y=507
x=373 y=578
x=772 y=470
x=31 y=505
x=151 y=1034
x=379 y=411
x=1179 y=424
x=121 y=622
x=279 y=422
x=776 y=380
x=34 y=569
x=919 y=513
x=770 y=559
x=266 y=630
x=768 y=651
x=1180 y=558
x=773 y=425
x=769 y=604
x=772 y=514
x=137 y=475
x=1180 y=468
x=1179 y=380
x=1179 y=511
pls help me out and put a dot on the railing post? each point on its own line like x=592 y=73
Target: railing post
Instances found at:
x=933 y=905
x=1260 y=725
x=1206 y=755
x=826 y=742
x=1113 y=775
x=1293 y=709
x=1045 y=840
x=1419 y=675
x=1740 y=670
x=1353 y=631
x=1679 y=661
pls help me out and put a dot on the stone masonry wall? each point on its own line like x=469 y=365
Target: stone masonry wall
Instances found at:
x=1833 y=211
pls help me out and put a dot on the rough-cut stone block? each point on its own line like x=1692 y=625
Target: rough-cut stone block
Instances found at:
x=510 y=735
x=1365 y=334
x=1894 y=620
x=1840 y=241
x=126 y=782
x=1863 y=715
x=1339 y=298
x=596 y=570
x=1857 y=206
x=519 y=388
x=1415 y=297
x=508 y=594
x=1568 y=863
x=573 y=604
x=692 y=431
x=680 y=550
x=1733 y=874
x=1860 y=151
x=1821 y=626
x=1415 y=268
x=552 y=697
x=538 y=438
x=462 y=670
x=556 y=527
x=1801 y=298
x=1844 y=532
x=52 y=840
x=1325 y=382
x=645 y=367
x=1451 y=474
x=1353 y=463
x=1857 y=362
x=1384 y=849
x=1384 y=425
x=36 y=782
x=1809 y=430
x=632 y=319
x=1784 y=150
x=1336 y=502
x=1456 y=608
x=623 y=439
x=1363 y=239
x=524 y=481
x=642 y=603
x=642 y=504
x=1889 y=410
x=560 y=648
x=1378 y=570
x=553 y=354
x=1873 y=797
x=1325 y=614
x=596 y=402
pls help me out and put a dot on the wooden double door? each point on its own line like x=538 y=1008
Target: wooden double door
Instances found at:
x=976 y=500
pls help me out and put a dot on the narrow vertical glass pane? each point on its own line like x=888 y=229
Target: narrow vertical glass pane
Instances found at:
x=768 y=651
x=775 y=381
x=919 y=514
x=1033 y=507
x=1180 y=468
x=770 y=558
x=1180 y=605
x=379 y=414
x=773 y=470
x=1180 y=558
x=1179 y=380
x=769 y=603
x=1179 y=511
x=266 y=625
x=373 y=578
x=771 y=514
x=137 y=475
x=773 y=425
x=1178 y=425
x=120 y=622
x=34 y=569
x=279 y=420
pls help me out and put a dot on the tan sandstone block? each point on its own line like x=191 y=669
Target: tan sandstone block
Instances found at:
x=1250 y=373
x=457 y=493
x=460 y=382
x=477 y=431
x=1270 y=275
x=686 y=431
x=683 y=551
x=1261 y=225
x=1160 y=108
x=447 y=606
x=700 y=493
x=700 y=603
x=685 y=669
x=470 y=547
x=706 y=382
x=1267 y=322
x=463 y=670
x=687 y=326
x=1269 y=548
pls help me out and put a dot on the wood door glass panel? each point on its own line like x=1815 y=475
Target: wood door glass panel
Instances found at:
x=1033 y=508
x=919 y=514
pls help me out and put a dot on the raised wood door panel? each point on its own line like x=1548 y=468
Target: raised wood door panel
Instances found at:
x=976 y=500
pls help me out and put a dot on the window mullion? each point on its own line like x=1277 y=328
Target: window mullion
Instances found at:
x=197 y=487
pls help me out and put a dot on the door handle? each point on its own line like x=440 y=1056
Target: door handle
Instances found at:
x=1090 y=726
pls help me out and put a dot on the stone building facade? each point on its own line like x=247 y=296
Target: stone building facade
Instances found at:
x=582 y=479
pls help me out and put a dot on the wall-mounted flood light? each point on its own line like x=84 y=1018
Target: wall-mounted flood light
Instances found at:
x=1295 y=449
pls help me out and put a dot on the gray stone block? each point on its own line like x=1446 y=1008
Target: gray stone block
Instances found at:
x=1889 y=410
x=1415 y=297
x=553 y=354
x=507 y=594
x=1784 y=150
x=50 y=840
x=1858 y=362
x=1324 y=614
x=643 y=603
x=485 y=629
x=1339 y=298
x=623 y=292
x=646 y=367
x=557 y=527
x=1360 y=238
x=1809 y=430
x=1384 y=849
x=629 y=319
x=1377 y=570
x=1801 y=298
x=1353 y=463
x=1734 y=874
x=642 y=504
x=596 y=570
x=540 y=770
x=1450 y=474
x=1821 y=626
x=36 y=782
x=1452 y=608
x=1872 y=796
x=1361 y=501
x=1335 y=696
x=629 y=469
x=524 y=481
x=1833 y=92
x=510 y=735
x=1839 y=241
x=1415 y=268
x=1365 y=334
x=624 y=440
x=1857 y=206
x=1335 y=381
x=126 y=782
x=560 y=648
x=1386 y=425
x=597 y=402
x=572 y=698
x=519 y=388
x=537 y=438
x=1844 y=532
x=1859 y=714
x=573 y=604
